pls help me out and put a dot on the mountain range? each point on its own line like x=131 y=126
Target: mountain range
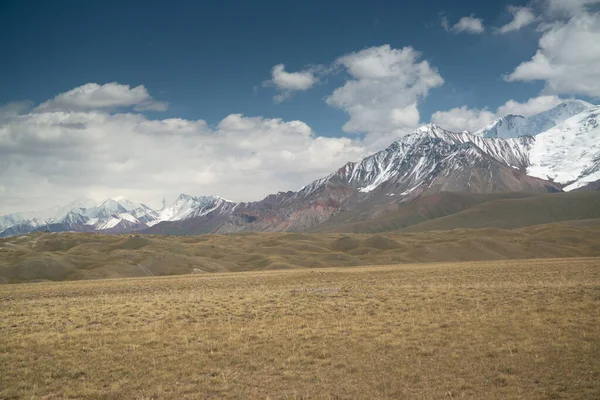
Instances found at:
x=553 y=151
x=114 y=215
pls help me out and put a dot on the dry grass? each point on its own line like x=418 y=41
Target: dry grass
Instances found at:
x=76 y=256
x=493 y=330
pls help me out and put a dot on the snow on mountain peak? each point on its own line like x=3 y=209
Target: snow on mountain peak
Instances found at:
x=570 y=152
x=78 y=204
x=119 y=198
x=121 y=201
x=115 y=214
x=183 y=197
x=511 y=126
x=430 y=129
x=506 y=127
x=560 y=144
x=575 y=105
x=186 y=206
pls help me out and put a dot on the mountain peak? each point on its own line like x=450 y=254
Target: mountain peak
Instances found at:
x=119 y=198
x=511 y=126
x=558 y=148
x=122 y=201
x=576 y=103
x=569 y=152
x=430 y=129
x=184 y=196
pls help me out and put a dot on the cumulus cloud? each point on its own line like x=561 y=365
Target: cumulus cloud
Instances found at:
x=288 y=82
x=384 y=88
x=89 y=142
x=522 y=16
x=93 y=96
x=568 y=57
x=473 y=119
x=463 y=118
x=570 y=7
x=52 y=157
x=532 y=106
x=469 y=24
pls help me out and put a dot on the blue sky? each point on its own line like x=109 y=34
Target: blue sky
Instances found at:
x=95 y=93
x=206 y=58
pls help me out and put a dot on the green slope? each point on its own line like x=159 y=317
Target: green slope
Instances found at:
x=517 y=213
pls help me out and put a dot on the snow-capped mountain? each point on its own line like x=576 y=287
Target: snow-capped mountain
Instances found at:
x=569 y=153
x=76 y=205
x=6 y=221
x=39 y=218
x=509 y=126
x=117 y=214
x=186 y=206
x=512 y=126
x=521 y=159
x=417 y=161
x=427 y=161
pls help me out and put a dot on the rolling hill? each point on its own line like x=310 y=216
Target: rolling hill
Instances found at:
x=77 y=256
x=519 y=212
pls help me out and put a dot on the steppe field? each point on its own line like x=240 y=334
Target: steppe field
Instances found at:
x=504 y=329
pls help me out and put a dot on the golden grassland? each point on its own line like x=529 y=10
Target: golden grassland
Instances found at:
x=525 y=329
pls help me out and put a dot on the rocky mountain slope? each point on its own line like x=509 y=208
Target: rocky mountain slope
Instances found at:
x=428 y=161
x=566 y=156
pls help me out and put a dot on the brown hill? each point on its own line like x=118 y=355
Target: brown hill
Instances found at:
x=74 y=256
x=520 y=212
x=369 y=218
x=591 y=186
x=447 y=210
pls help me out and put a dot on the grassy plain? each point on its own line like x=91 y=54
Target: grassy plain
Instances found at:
x=527 y=329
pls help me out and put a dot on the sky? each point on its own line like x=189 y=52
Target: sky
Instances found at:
x=242 y=99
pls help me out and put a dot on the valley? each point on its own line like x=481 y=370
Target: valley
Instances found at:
x=294 y=201
x=445 y=227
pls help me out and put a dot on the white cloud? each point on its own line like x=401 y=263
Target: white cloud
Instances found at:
x=463 y=118
x=292 y=80
x=49 y=158
x=571 y=7
x=472 y=119
x=385 y=86
x=469 y=24
x=568 y=58
x=289 y=82
x=522 y=16
x=532 y=106
x=92 y=96
x=445 y=23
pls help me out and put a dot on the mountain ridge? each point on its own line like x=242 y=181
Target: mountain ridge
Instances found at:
x=512 y=125
x=429 y=160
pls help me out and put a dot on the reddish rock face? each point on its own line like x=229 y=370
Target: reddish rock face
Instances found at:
x=429 y=161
